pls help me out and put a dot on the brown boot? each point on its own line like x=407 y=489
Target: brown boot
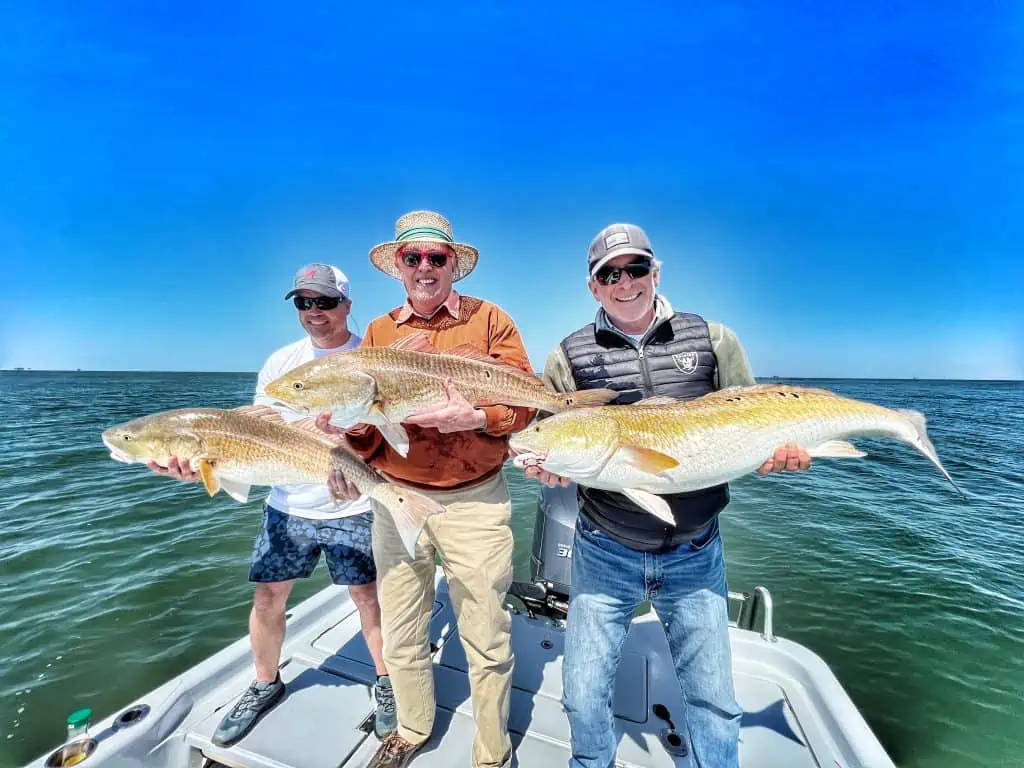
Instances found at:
x=395 y=752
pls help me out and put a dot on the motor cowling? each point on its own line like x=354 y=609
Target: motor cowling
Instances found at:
x=554 y=529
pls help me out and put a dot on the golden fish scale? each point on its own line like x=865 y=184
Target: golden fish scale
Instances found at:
x=418 y=377
x=752 y=407
x=246 y=440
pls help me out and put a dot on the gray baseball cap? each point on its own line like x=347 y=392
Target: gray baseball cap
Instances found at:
x=617 y=240
x=322 y=278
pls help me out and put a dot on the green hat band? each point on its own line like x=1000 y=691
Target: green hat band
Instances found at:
x=423 y=233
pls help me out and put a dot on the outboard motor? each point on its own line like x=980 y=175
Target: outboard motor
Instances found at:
x=547 y=592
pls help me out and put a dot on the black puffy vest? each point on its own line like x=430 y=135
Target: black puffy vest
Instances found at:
x=675 y=360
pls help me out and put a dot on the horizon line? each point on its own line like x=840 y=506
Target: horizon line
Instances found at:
x=537 y=373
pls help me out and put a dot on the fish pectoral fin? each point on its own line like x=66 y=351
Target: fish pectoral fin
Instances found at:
x=835 y=449
x=646 y=459
x=418 y=341
x=236 y=489
x=397 y=437
x=209 y=476
x=652 y=503
x=259 y=412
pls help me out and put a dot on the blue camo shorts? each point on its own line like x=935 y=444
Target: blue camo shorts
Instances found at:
x=288 y=547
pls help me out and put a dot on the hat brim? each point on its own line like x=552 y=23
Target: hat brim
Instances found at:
x=383 y=257
x=323 y=290
x=627 y=251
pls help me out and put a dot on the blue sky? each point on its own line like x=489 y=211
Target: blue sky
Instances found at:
x=842 y=187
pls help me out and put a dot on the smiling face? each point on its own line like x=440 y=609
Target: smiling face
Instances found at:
x=629 y=301
x=427 y=282
x=327 y=328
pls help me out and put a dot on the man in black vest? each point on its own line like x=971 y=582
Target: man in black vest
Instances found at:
x=622 y=555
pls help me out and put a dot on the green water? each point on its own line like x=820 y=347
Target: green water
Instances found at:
x=113 y=580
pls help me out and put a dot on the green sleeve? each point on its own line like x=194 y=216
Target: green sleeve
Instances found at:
x=557 y=374
x=733 y=367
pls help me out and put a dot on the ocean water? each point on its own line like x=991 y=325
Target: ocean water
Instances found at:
x=113 y=580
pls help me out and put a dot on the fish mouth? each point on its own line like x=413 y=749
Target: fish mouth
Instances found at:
x=528 y=459
x=117 y=454
x=296 y=407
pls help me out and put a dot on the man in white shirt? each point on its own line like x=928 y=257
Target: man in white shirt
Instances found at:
x=301 y=521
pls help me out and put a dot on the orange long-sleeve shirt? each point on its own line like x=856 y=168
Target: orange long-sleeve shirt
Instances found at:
x=458 y=459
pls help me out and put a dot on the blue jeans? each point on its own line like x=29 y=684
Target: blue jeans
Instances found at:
x=687 y=587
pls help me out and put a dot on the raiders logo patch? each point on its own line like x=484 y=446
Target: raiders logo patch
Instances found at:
x=685 y=361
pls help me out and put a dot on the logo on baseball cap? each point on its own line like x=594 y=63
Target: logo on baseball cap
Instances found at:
x=322 y=278
x=617 y=240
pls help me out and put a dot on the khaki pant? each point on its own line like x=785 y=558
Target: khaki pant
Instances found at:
x=474 y=541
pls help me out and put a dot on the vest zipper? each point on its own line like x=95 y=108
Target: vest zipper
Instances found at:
x=648 y=383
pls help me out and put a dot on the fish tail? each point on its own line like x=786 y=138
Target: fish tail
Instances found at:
x=409 y=510
x=924 y=444
x=584 y=398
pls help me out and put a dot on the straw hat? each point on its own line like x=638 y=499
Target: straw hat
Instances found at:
x=423 y=227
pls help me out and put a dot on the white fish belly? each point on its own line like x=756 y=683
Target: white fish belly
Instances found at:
x=266 y=473
x=717 y=455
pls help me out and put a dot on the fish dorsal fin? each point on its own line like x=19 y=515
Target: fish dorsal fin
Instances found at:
x=658 y=400
x=259 y=412
x=738 y=392
x=646 y=459
x=469 y=352
x=417 y=341
x=308 y=424
x=729 y=392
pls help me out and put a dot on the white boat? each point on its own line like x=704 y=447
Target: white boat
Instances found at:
x=795 y=712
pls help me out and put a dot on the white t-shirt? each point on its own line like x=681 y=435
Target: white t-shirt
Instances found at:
x=303 y=500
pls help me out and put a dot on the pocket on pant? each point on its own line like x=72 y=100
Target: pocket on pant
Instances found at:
x=706 y=537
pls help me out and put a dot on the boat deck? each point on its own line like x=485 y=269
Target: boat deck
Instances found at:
x=795 y=712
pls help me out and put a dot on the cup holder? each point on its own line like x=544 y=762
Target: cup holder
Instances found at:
x=73 y=753
x=131 y=716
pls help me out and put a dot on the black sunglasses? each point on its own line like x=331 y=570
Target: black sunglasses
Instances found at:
x=323 y=303
x=413 y=258
x=611 y=275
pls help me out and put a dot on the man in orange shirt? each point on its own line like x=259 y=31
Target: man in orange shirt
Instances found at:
x=455 y=456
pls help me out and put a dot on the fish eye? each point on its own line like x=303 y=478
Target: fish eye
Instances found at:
x=127 y=438
x=298 y=385
x=401 y=500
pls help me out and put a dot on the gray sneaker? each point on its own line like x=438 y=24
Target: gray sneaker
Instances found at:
x=386 y=720
x=258 y=699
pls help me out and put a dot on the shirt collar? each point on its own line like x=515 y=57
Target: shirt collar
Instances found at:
x=406 y=312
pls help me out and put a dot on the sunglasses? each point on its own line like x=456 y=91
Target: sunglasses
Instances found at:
x=413 y=258
x=611 y=275
x=323 y=303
